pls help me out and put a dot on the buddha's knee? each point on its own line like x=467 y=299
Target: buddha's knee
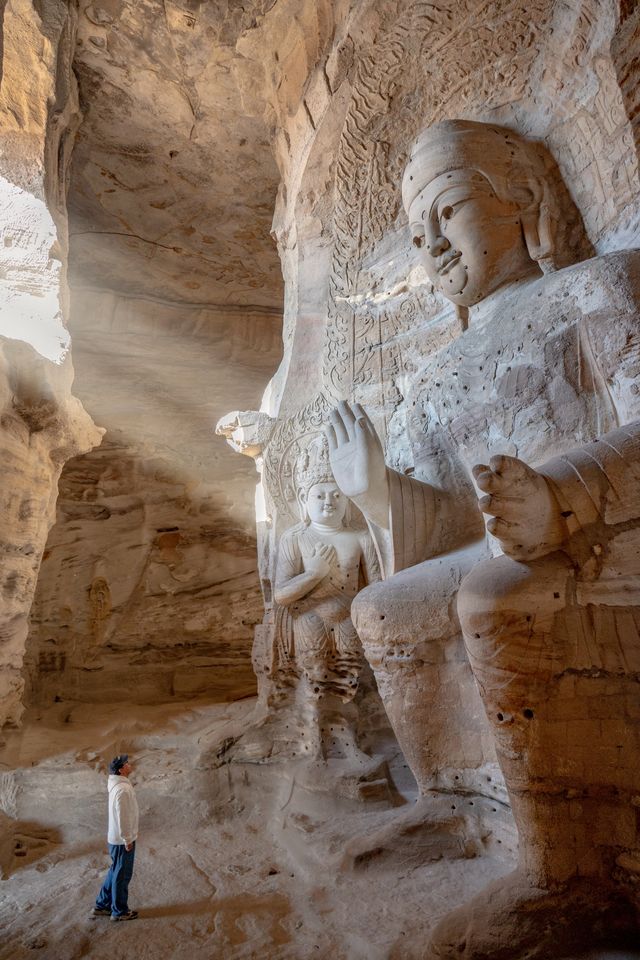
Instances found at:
x=370 y=610
x=509 y=610
x=414 y=605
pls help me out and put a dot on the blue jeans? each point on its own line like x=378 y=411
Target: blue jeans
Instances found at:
x=114 y=893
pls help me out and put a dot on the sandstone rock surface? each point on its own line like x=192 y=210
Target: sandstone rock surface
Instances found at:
x=173 y=168
x=149 y=589
x=176 y=303
x=41 y=423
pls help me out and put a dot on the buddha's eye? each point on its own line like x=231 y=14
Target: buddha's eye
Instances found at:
x=446 y=213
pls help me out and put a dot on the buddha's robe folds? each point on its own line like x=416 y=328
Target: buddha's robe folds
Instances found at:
x=316 y=630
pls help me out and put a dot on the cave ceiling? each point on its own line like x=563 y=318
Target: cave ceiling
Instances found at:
x=173 y=180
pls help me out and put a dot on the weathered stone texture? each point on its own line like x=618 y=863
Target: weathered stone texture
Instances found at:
x=41 y=423
x=171 y=195
x=172 y=167
x=624 y=53
x=148 y=589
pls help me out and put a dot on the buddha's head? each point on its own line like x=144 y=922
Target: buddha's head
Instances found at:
x=325 y=504
x=319 y=496
x=480 y=208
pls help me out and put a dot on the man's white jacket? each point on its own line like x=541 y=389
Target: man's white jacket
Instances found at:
x=123 y=811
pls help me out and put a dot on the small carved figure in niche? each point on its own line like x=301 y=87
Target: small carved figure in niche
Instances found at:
x=321 y=566
x=551 y=621
x=100 y=604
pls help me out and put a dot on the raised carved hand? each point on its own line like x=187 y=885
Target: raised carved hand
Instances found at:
x=357 y=461
x=525 y=515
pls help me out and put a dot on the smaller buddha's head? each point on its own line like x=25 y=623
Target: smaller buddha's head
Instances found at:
x=480 y=208
x=320 y=498
x=325 y=503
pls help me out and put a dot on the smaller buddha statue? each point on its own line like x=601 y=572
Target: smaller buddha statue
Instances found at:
x=322 y=564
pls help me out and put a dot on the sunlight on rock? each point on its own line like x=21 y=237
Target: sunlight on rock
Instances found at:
x=30 y=276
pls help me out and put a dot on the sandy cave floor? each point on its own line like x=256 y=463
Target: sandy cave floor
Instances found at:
x=215 y=875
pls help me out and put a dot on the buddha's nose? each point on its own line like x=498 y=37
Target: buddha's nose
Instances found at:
x=437 y=245
x=435 y=242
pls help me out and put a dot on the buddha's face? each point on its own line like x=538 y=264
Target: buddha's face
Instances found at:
x=470 y=241
x=326 y=504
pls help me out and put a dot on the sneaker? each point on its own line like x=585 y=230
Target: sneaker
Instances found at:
x=100 y=912
x=130 y=915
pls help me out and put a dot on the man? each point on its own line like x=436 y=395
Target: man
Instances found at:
x=122 y=835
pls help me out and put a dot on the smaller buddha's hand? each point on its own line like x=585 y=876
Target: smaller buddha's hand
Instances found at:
x=357 y=460
x=319 y=563
x=525 y=515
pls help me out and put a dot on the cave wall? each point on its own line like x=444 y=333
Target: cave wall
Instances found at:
x=42 y=424
x=148 y=589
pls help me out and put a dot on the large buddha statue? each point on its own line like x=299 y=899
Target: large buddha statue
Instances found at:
x=534 y=407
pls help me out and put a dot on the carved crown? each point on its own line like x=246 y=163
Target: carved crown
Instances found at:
x=313 y=465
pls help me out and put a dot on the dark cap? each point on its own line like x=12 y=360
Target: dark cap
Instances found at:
x=118 y=763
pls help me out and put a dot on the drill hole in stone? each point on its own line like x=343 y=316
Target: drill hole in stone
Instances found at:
x=527 y=713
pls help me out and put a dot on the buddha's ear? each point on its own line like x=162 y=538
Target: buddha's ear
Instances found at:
x=538 y=225
x=301 y=497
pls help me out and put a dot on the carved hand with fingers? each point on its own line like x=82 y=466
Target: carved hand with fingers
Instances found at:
x=525 y=514
x=319 y=564
x=357 y=461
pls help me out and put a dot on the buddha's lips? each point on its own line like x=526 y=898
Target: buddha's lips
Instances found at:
x=448 y=263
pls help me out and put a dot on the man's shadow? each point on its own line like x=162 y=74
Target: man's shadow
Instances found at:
x=206 y=905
